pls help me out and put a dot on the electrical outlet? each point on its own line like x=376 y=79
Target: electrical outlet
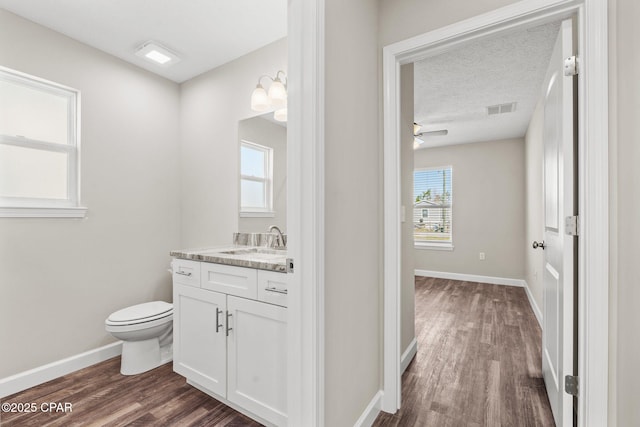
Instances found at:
x=481 y=256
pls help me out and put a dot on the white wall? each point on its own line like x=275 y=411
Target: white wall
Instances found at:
x=534 y=259
x=264 y=132
x=353 y=221
x=488 y=208
x=211 y=106
x=60 y=278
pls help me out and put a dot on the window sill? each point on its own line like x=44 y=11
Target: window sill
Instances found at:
x=269 y=214
x=42 y=212
x=434 y=246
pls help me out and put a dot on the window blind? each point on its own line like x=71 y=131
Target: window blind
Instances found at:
x=432 y=209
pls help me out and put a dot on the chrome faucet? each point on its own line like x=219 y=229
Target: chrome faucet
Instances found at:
x=281 y=241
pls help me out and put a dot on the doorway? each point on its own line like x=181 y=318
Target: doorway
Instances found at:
x=592 y=257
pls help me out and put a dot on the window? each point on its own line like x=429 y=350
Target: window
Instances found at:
x=432 y=213
x=39 y=140
x=256 y=178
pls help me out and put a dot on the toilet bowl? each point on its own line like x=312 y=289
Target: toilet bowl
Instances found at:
x=146 y=331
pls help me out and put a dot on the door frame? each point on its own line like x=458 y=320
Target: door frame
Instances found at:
x=305 y=213
x=593 y=183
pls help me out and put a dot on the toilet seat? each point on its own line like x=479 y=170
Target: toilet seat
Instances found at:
x=141 y=313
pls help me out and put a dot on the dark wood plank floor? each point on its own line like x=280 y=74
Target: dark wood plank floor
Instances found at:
x=478 y=362
x=101 y=396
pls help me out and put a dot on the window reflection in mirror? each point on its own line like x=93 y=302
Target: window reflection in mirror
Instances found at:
x=262 y=183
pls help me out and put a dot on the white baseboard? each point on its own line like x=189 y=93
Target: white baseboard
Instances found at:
x=371 y=411
x=408 y=355
x=487 y=279
x=472 y=278
x=42 y=374
x=533 y=304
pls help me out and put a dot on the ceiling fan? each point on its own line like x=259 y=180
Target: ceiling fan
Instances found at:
x=417 y=142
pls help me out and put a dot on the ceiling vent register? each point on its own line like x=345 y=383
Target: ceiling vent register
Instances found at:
x=501 y=108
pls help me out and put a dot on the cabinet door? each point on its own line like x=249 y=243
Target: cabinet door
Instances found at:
x=257 y=358
x=199 y=338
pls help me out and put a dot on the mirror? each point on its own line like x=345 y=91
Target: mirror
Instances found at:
x=262 y=143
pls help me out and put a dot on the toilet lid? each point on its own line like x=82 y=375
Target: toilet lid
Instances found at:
x=141 y=311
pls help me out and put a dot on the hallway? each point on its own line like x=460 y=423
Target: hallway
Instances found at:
x=478 y=360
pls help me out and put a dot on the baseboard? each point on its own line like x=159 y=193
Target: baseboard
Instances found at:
x=408 y=355
x=487 y=279
x=534 y=306
x=371 y=411
x=42 y=374
x=472 y=278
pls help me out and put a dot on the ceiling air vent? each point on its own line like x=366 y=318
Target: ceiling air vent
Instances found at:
x=501 y=108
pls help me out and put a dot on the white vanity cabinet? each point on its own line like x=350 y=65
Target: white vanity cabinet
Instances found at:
x=229 y=343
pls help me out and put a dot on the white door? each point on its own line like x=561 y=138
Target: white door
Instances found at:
x=200 y=342
x=559 y=258
x=257 y=358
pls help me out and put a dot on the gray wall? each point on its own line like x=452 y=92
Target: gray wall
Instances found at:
x=534 y=151
x=625 y=208
x=210 y=108
x=408 y=288
x=353 y=221
x=264 y=132
x=61 y=278
x=488 y=208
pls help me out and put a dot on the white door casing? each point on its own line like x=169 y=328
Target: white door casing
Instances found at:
x=559 y=259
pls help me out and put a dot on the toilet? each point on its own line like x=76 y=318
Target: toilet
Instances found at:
x=146 y=331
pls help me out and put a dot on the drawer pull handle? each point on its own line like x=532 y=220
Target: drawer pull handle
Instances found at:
x=184 y=273
x=228 y=328
x=276 y=290
x=218 y=324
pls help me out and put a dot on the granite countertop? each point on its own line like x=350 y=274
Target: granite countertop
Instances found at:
x=241 y=256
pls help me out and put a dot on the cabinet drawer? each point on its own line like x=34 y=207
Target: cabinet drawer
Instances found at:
x=272 y=287
x=239 y=281
x=186 y=272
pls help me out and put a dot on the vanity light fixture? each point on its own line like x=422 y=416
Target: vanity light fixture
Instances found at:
x=157 y=54
x=276 y=98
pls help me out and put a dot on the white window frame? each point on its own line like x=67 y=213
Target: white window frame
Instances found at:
x=434 y=245
x=267 y=211
x=32 y=207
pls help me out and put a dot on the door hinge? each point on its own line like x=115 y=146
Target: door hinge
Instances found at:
x=289 y=265
x=571 y=225
x=571 y=66
x=571 y=385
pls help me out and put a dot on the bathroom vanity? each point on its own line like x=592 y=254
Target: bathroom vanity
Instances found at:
x=230 y=327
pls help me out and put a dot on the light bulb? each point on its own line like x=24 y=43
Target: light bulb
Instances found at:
x=280 y=115
x=277 y=94
x=259 y=99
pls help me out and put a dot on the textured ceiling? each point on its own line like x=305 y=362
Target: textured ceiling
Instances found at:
x=205 y=33
x=453 y=90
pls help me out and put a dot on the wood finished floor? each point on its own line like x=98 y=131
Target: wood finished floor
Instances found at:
x=478 y=361
x=101 y=396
